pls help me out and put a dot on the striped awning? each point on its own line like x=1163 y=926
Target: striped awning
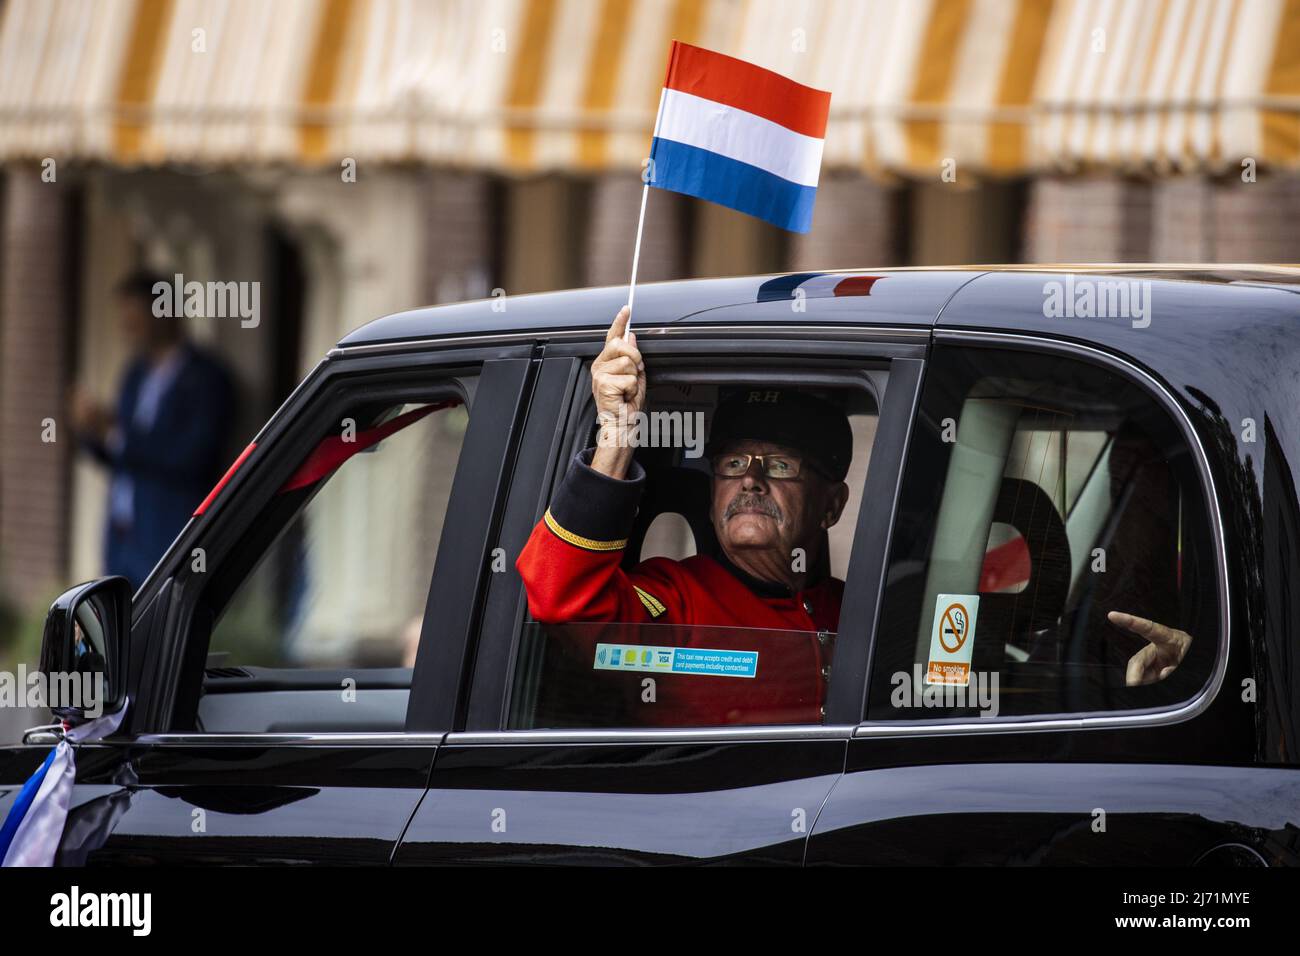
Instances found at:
x=996 y=86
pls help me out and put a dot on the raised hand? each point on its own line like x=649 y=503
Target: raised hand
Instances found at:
x=618 y=386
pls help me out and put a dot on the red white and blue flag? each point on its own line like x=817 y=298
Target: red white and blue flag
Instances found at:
x=33 y=828
x=740 y=136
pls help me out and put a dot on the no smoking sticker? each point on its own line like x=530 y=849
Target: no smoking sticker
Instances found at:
x=952 y=638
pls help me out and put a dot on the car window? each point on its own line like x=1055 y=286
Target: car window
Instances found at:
x=669 y=534
x=1041 y=494
x=650 y=667
x=345 y=581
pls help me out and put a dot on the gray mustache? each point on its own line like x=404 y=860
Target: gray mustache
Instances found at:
x=747 y=500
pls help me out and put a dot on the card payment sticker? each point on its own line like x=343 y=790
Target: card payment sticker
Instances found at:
x=700 y=661
x=952 y=638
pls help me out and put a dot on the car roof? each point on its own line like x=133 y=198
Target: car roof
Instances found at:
x=911 y=297
x=908 y=297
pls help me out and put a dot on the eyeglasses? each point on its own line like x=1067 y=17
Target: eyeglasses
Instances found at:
x=773 y=466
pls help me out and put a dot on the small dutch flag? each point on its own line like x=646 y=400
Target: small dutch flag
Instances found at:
x=33 y=828
x=740 y=136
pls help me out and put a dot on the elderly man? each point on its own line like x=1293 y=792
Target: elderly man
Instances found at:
x=778 y=482
x=778 y=464
x=779 y=458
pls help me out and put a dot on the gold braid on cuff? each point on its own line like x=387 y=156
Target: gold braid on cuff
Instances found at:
x=578 y=541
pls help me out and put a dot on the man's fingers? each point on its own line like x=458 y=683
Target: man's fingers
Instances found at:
x=619 y=326
x=628 y=350
x=619 y=349
x=620 y=365
x=618 y=341
x=1154 y=632
x=619 y=385
x=619 y=346
x=1160 y=635
x=1133 y=673
x=619 y=371
x=1128 y=622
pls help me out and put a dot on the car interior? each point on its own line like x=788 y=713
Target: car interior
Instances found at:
x=1058 y=507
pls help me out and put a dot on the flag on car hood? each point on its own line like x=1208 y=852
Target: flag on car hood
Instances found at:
x=740 y=136
x=32 y=829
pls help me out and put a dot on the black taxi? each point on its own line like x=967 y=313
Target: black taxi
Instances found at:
x=335 y=660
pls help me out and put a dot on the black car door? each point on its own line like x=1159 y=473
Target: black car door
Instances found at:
x=274 y=705
x=506 y=789
x=1048 y=485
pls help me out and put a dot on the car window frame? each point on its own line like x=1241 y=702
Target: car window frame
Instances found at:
x=279 y=448
x=898 y=351
x=1180 y=712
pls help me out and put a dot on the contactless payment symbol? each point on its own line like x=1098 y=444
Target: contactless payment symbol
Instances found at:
x=952 y=639
x=695 y=661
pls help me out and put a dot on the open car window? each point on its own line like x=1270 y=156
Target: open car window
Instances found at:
x=650 y=670
x=334 y=587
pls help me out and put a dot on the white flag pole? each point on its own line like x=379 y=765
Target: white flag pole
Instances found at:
x=647 y=177
x=636 y=253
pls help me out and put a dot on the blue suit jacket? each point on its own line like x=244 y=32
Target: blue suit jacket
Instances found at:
x=173 y=464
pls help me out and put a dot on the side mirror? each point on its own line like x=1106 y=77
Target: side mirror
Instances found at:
x=84 y=649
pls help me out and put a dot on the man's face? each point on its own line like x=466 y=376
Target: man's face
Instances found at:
x=136 y=320
x=755 y=512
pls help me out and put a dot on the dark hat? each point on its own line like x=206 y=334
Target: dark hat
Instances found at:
x=785 y=416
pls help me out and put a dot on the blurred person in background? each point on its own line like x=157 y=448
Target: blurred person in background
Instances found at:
x=165 y=440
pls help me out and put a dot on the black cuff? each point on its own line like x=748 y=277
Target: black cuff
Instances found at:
x=594 y=511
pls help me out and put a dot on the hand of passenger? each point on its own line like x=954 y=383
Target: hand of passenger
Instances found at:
x=1165 y=649
x=618 y=386
x=89 y=418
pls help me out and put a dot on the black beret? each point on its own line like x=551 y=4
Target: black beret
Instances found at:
x=788 y=417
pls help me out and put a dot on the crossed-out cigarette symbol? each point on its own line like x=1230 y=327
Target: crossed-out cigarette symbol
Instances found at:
x=954 y=623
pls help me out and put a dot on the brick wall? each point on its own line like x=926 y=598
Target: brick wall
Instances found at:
x=855 y=226
x=1259 y=221
x=615 y=204
x=1088 y=219
x=1199 y=219
x=458 y=237
x=1181 y=220
x=36 y=301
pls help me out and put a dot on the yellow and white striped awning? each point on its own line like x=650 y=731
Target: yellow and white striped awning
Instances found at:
x=997 y=86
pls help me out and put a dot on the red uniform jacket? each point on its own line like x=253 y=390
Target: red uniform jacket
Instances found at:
x=571 y=572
